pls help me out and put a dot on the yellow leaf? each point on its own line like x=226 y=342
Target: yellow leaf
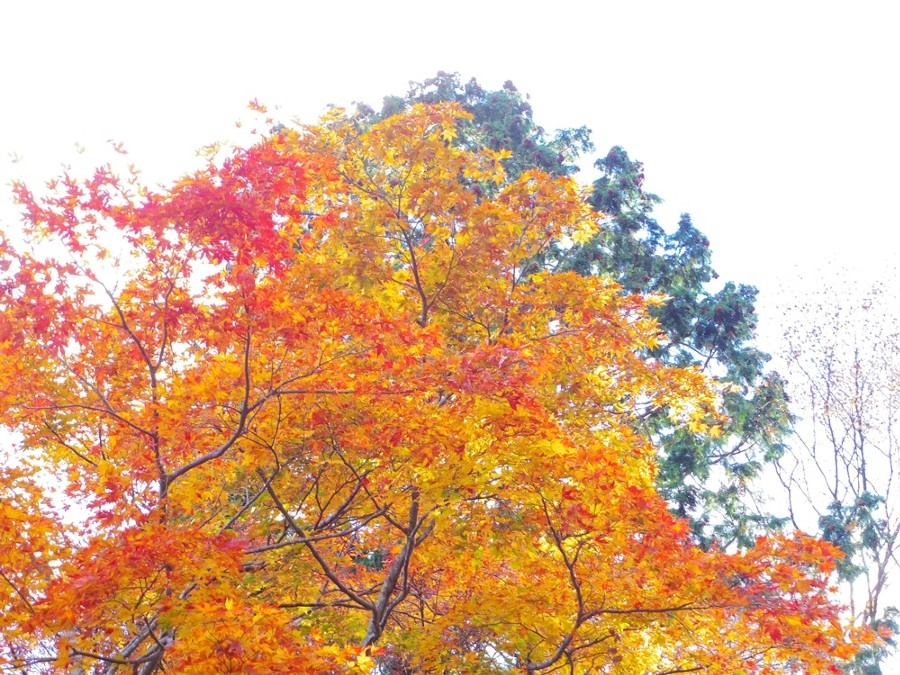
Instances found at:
x=585 y=231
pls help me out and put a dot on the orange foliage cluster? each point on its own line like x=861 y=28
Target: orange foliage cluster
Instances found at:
x=311 y=415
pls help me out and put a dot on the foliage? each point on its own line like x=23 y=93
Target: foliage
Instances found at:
x=703 y=476
x=499 y=120
x=311 y=414
x=706 y=478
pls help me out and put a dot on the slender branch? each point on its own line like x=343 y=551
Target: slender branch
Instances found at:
x=319 y=537
x=68 y=446
x=323 y=564
x=239 y=430
x=18 y=592
x=250 y=502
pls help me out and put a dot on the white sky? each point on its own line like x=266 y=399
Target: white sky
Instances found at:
x=775 y=124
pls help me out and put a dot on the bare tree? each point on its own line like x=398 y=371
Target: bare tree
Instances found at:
x=842 y=355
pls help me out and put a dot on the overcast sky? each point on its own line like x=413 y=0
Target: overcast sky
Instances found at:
x=775 y=124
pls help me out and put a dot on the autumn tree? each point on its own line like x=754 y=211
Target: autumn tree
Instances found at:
x=709 y=480
x=843 y=357
x=309 y=410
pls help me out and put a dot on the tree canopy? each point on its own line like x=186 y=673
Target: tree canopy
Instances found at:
x=704 y=478
x=313 y=409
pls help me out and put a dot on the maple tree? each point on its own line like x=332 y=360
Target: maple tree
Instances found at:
x=307 y=410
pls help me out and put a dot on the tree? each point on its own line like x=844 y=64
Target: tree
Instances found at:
x=310 y=413
x=708 y=479
x=843 y=357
